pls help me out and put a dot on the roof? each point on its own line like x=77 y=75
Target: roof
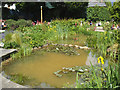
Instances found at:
x=93 y=4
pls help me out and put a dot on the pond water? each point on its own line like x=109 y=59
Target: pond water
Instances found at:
x=41 y=68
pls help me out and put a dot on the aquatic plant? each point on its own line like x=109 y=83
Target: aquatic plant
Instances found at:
x=19 y=78
x=107 y=77
x=62 y=49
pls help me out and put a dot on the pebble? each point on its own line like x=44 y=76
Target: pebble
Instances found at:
x=80 y=70
x=86 y=69
x=76 y=46
x=70 y=69
x=81 y=47
x=85 y=47
x=65 y=72
x=70 y=45
x=65 y=44
x=39 y=47
x=73 y=70
x=45 y=45
x=57 y=48
x=35 y=48
x=67 y=68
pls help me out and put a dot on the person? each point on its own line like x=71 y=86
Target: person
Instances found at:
x=75 y=24
x=96 y=24
x=48 y=23
x=112 y=27
x=90 y=23
x=81 y=23
x=33 y=23
x=117 y=26
x=99 y=24
x=3 y=24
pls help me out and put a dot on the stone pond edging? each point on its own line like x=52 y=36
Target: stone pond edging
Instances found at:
x=66 y=45
x=6 y=83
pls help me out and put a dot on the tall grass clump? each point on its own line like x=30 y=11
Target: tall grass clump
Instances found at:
x=101 y=77
x=12 y=40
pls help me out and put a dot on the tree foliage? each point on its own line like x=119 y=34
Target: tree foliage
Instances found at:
x=31 y=10
x=98 y=13
x=115 y=11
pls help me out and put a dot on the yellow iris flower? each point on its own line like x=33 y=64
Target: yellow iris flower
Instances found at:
x=102 y=62
x=100 y=59
x=101 y=69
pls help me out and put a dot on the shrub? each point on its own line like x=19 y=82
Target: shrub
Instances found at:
x=10 y=24
x=13 y=25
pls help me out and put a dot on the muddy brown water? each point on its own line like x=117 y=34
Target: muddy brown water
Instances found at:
x=41 y=68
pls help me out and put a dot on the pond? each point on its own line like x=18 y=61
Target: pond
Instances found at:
x=42 y=68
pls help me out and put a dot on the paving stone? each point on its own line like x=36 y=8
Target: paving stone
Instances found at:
x=6 y=83
x=4 y=52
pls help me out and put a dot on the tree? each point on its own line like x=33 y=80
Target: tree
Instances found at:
x=98 y=13
x=31 y=10
x=115 y=11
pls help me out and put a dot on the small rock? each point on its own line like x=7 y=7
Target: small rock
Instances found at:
x=76 y=46
x=67 y=68
x=55 y=73
x=45 y=45
x=80 y=70
x=65 y=72
x=81 y=47
x=35 y=48
x=39 y=47
x=86 y=70
x=58 y=71
x=65 y=44
x=70 y=69
x=70 y=45
x=57 y=48
x=54 y=44
x=73 y=70
x=85 y=47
